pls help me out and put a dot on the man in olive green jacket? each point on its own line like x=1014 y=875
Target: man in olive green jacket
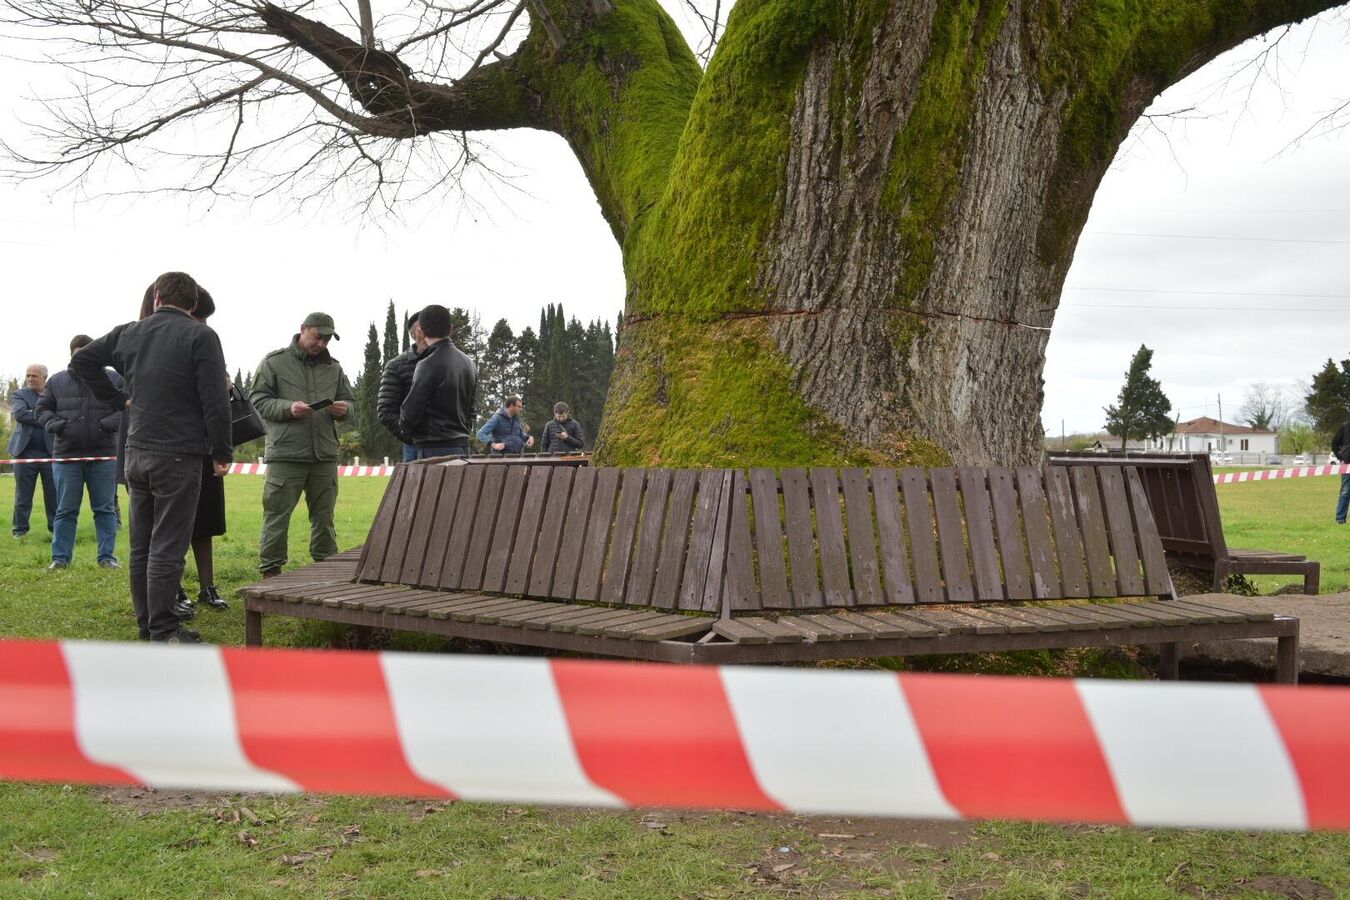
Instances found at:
x=300 y=391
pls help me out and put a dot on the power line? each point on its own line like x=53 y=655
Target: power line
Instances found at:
x=1128 y=290
x=1279 y=309
x=1212 y=237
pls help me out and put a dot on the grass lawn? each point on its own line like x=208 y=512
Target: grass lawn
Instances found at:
x=64 y=841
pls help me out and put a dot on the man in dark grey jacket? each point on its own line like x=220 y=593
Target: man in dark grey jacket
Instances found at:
x=180 y=412
x=395 y=382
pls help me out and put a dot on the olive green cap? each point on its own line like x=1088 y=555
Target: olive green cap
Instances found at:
x=323 y=322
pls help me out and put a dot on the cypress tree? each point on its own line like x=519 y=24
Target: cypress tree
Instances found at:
x=1328 y=403
x=374 y=439
x=391 y=342
x=1142 y=410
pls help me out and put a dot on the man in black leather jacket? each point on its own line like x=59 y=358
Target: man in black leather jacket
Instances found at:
x=82 y=426
x=395 y=382
x=438 y=412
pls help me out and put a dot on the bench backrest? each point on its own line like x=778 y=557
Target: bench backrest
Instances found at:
x=723 y=540
x=1180 y=490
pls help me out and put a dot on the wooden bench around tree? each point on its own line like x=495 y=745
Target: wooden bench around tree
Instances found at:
x=1180 y=490
x=726 y=566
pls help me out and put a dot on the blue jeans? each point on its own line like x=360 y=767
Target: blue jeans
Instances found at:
x=429 y=451
x=1343 y=501
x=71 y=480
x=409 y=452
x=26 y=476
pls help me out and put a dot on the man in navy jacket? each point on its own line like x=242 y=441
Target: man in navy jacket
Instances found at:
x=29 y=441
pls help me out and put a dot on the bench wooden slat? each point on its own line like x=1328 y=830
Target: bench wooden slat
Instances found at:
x=642 y=574
x=980 y=528
x=740 y=631
x=1036 y=524
x=1003 y=618
x=879 y=629
x=699 y=550
x=1157 y=580
x=801 y=540
x=1068 y=539
x=740 y=583
x=830 y=533
x=624 y=535
x=951 y=536
x=425 y=516
x=891 y=538
x=402 y=526
x=1092 y=522
x=597 y=627
x=862 y=542
x=483 y=526
x=903 y=621
x=1072 y=618
x=715 y=582
x=1120 y=530
x=438 y=545
x=928 y=586
x=665 y=628
x=675 y=539
x=769 y=540
x=578 y=526
x=847 y=630
x=589 y=575
x=552 y=526
x=568 y=618
x=372 y=557
x=466 y=513
x=527 y=530
x=811 y=631
x=504 y=532
x=1008 y=521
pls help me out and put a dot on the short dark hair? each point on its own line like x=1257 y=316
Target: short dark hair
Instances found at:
x=512 y=401
x=412 y=320
x=561 y=407
x=177 y=289
x=206 y=306
x=435 y=321
x=148 y=302
x=80 y=340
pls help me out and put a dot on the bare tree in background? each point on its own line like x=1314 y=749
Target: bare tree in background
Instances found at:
x=843 y=241
x=1265 y=407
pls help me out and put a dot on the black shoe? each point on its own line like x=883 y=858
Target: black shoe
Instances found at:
x=210 y=595
x=179 y=635
x=184 y=610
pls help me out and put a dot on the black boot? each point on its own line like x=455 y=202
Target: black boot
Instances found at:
x=210 y=596
x=183 y=607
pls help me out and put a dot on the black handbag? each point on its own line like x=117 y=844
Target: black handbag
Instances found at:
x=245 y=422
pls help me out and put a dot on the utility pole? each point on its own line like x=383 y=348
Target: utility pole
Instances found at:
x=1063 y=441
x=1220 y=398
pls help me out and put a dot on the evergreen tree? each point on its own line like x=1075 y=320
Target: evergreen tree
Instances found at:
x=391 y=342
x=527 y=367
x=1142 y=410
x=239 y=383
x=498 y=371
x=1328 y=402
x=374 y=439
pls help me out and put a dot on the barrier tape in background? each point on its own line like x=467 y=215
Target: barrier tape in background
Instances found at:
x=1269 y=474
x=631 y=734
x=235 y=468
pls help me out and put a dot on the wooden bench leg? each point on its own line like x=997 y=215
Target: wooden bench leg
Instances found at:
x=252 y=628
x=1312 y=578
x=1169 y=661
x=1220 y=575
x=1286 y=660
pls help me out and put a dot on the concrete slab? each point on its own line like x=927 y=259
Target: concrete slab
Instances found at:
x=1324 y=632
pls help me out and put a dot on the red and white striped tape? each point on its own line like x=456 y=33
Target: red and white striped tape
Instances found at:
x=1269 y=474
x=64 y=459
x=622 y=734
x=357 y=471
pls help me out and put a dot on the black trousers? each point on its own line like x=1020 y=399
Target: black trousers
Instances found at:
x=26 y=476
x=163 y=489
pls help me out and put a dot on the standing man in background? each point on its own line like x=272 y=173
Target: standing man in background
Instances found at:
x=301 y=392
x=30 y=441
x=563 y=434
x=395 y=382
x=504 y=433
x=180 y=412
x=1340 y=449
x=438 y=412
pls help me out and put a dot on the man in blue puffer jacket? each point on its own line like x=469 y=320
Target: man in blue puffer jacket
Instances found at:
x=504 y=433
x=82 y=426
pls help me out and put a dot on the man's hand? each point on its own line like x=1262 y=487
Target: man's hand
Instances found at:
x=529 y=441
x=300 y=409
x=338 y=408
x=222 y=468
x=499 y=446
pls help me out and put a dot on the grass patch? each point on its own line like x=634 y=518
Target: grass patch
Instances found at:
x=67 y=840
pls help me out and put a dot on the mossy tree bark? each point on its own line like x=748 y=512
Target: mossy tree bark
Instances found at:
x=846 y=241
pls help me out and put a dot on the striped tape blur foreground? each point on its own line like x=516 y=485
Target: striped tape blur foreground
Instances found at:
x=625 y=734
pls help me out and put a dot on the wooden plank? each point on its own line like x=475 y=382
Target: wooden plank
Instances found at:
x=1036 y=523
x=504 y=614
x=1223 y=614
x=674 y=540
x=801 y=540
x=879 y=629
x=928 y=586
x=1032 y=617
x=551 y=529
x=569 y=617
x=862 y=542
x=910 y=626
x=1120 y=530
x=596 y=627
x=597 y=534
x=740 y=631
x=424 y=518
x=701 y=536
x=480 y=541
x=811 y=631
x=527 y=533
x=1008 y=521
x=769 y=540
x=1092 y=525
x=377 y=541
x=980 y=528
x=847 y=630
x=1157 y=580
x=374 y=600
x=624 y=535
x=674 y=627
x=439 y=542
x=778 y=634
x=1068 y=539
x=715 y=583
x=1012 y=624
x=402 y=528
x=740 y=582
x=952 y=622
x=578 y=525
x=504 y=532
x=830 y=535
x=891 y=538
x=466 y=520
x=642 y=573
x=951 y=536
x=463 y=602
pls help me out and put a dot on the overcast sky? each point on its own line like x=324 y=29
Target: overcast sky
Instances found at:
x=1223 y=246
